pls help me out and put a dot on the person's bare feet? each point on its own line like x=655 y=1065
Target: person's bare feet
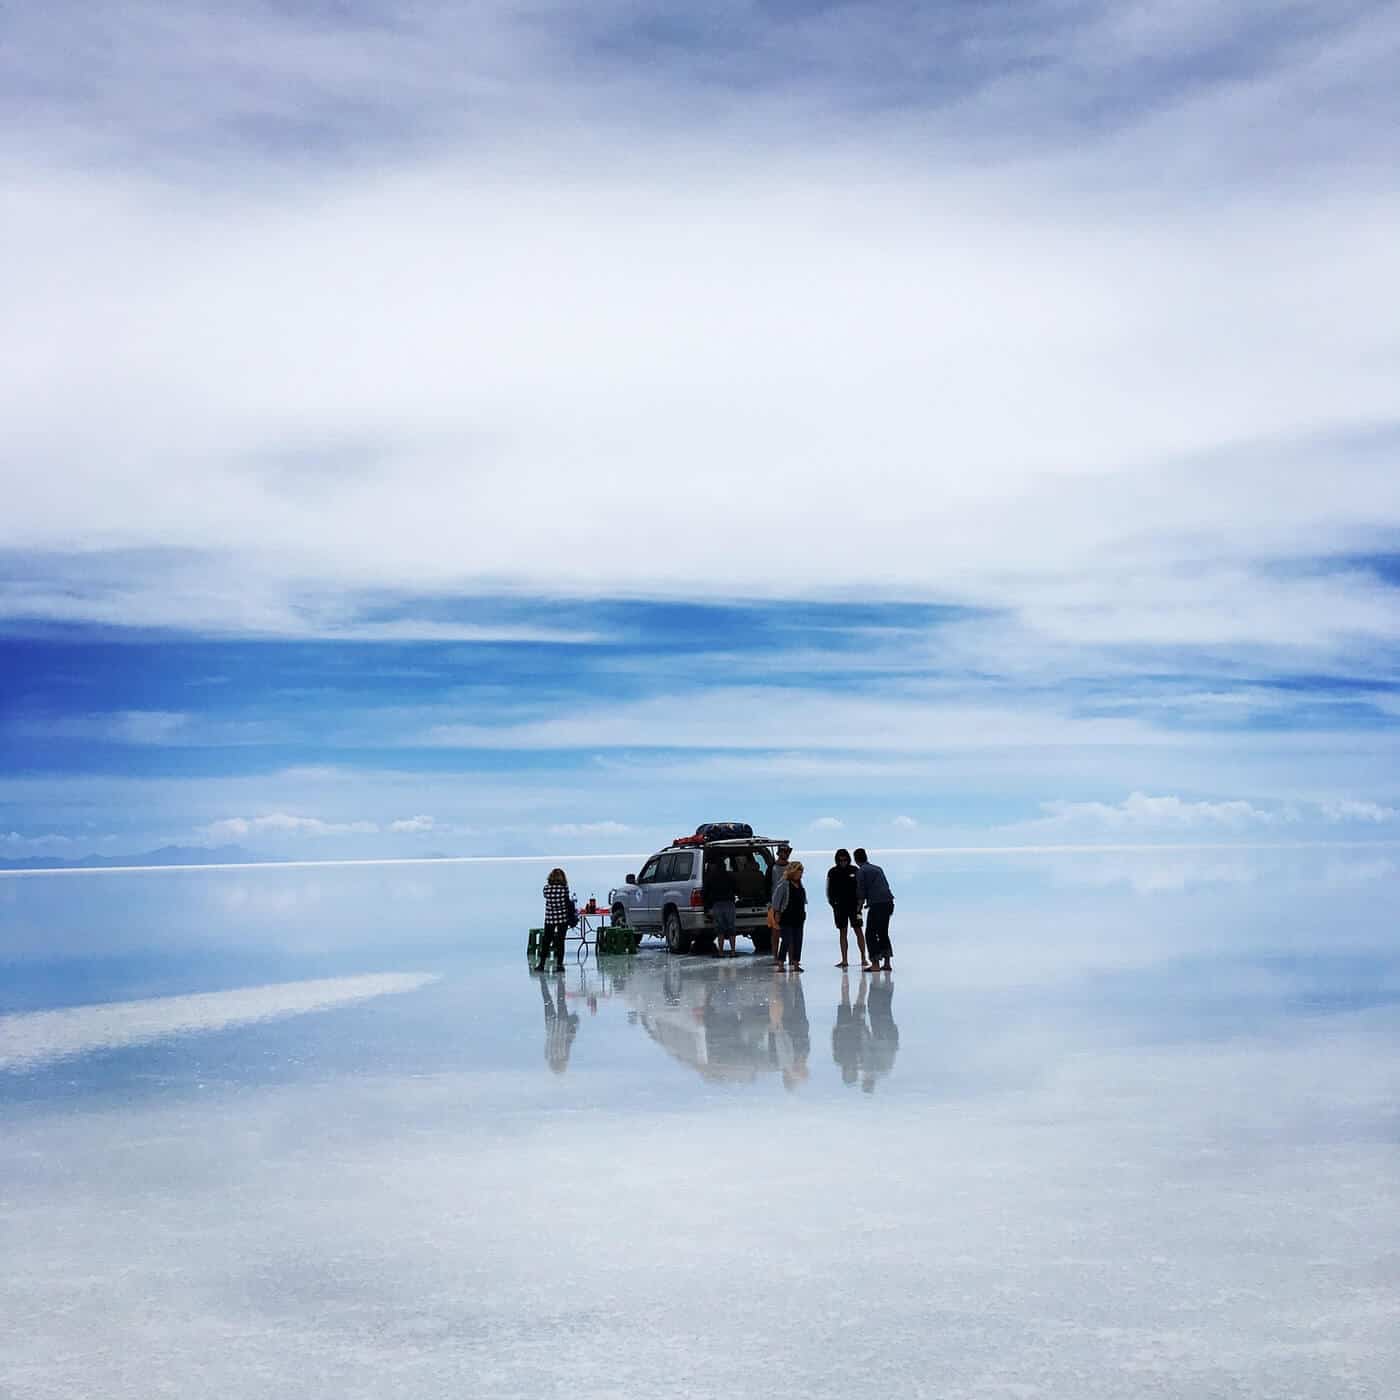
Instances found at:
x=887 y=968
x=842 y=964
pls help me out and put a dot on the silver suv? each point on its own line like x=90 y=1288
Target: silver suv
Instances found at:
x=666 y=896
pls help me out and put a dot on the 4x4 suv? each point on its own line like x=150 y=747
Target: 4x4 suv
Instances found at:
x=666 y=896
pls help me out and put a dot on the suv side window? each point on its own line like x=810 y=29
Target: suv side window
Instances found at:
x=679 y=865
x=651 y=871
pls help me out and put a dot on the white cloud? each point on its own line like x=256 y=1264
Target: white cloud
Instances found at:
x=405 y=824
x=827 y=824
x=139 y=727
x=1347 y=810
x=904 y=823
x=913 y=717
x=1144 y=813
x=54 y=843
x=602 y=828
x=283 y=824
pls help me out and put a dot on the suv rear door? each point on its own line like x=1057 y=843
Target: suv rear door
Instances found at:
x=753 y=875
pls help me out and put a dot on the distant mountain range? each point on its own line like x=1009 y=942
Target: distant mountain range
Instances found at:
x=167 y=855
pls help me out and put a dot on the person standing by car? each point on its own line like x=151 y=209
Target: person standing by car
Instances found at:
x=719 y=890
x=556 y=918
x=879 y=902
x=779 y=870
x=790 y=904
x=843 y=894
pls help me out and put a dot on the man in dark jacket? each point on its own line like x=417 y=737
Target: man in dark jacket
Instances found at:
x=843 y=894
x=875 y=895
x=719 y=890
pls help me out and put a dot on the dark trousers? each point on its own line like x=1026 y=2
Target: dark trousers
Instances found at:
x=791 y=945
x=877 y=932
x=553 y=943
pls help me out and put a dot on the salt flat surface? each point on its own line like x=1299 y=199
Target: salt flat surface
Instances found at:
x=1116 y=1126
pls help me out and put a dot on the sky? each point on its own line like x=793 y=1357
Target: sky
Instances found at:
x=541 y=428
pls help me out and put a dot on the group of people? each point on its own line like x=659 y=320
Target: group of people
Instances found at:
x=857 y=891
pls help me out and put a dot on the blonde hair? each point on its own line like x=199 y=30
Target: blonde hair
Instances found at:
x=557 y=877
x=793 y=870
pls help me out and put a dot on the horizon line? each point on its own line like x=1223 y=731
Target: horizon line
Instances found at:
x=1063 y=848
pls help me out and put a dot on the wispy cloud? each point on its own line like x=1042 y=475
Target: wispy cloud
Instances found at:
x=284 y=824
x=1168 y=813
x=599 y=828
x=1349 y=810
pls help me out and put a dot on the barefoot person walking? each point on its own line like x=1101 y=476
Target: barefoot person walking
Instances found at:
x=790 y=903
x=843 y=894
x=875 y=895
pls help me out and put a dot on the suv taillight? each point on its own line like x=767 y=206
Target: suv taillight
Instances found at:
x=697 y=899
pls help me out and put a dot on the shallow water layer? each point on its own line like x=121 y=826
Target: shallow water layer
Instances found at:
x=1116 y=1125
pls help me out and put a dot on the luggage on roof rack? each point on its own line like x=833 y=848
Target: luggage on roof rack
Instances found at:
x=723 y=831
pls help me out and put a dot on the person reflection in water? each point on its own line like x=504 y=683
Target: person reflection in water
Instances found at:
x=884 y=1034
x=850 y=1036
x=560 y=1024
x=789 y=1032
x=865 y=1049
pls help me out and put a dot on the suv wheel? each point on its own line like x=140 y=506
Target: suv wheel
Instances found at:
x=677 y=939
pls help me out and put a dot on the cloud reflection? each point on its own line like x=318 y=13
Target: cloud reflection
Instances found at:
x=32 y=1039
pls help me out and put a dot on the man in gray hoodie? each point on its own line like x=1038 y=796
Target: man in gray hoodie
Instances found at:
x=874 y=891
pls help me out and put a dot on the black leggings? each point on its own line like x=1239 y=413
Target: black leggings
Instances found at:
x=553 y=942
x=790 y=948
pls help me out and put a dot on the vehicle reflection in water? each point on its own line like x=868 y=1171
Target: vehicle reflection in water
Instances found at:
x=865 y=1039
x=731 y=1020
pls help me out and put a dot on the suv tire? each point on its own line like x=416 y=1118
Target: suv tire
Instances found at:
x=677 y=939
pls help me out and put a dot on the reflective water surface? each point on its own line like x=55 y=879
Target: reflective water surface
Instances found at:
x=1115 y=1125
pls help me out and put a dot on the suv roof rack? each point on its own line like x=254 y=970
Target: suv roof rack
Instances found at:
x=690 y=842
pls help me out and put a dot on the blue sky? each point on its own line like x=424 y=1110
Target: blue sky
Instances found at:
x=518 y=429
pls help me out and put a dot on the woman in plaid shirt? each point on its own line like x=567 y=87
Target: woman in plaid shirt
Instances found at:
x=556 y=918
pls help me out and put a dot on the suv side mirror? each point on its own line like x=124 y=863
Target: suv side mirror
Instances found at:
x=630 y=880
